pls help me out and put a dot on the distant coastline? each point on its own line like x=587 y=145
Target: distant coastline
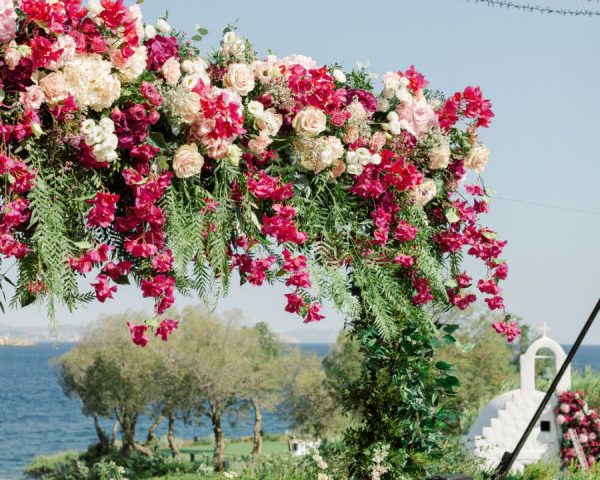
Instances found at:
x=16 y=342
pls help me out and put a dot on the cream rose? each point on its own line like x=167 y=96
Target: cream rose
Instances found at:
x=424 y=193
x=54 y=87
x=439 y=157
x=270 y=121
x=311 y=121
x=187 y=161
x=477 y=158
x=240 y=78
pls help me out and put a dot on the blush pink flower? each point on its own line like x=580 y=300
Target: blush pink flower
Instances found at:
x=8 y=21
x=418 y=115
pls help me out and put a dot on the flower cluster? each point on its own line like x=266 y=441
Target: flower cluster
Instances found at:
x=573 y=413
x=158 y=158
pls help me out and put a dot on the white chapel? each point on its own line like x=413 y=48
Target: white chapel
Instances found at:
x=502 y=422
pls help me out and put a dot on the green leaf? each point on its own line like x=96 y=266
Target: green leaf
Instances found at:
x=83 y=245
x=449 y=339
x=197 y=38
x=449 y=381
x=202 y=31
x=444 y=366
x=156 y=139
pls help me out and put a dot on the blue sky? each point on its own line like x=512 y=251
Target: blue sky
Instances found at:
x=542 y=73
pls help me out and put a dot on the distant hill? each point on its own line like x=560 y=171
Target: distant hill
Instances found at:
x=312 y=335
x=63 y=333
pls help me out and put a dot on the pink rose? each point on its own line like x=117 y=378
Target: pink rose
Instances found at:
x=419 y=116
x=32 y=98
x=171 y=71
x=560 y=419
x=12 y=57
x=8 y=21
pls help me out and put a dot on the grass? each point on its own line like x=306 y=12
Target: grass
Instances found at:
x=235 y=451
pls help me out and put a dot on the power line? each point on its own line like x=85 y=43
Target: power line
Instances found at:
x=540 y=8
x=546 y=205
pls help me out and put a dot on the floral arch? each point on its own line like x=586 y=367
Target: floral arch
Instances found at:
x=128 y=156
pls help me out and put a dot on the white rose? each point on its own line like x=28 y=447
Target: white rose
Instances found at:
x=393 y=125
x=439 y=157
x=187 y=66
x=311 y=121
x=240 y=77
x=477 y=158
x=94 y=136
x=187 y=161
x=363 y=156
x=354 y=169
x=107 y=124
x=255 y=108
x=87 y=127
x=149 y=32
x=339 y=76
x=403 y=95
x=162 y=26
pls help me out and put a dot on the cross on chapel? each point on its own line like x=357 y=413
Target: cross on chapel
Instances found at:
x=545 y=329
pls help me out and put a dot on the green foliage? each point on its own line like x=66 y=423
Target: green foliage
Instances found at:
x=55 y=467
x=542 y=470
x=310 y=405
x=588 y=381
x=485 y=370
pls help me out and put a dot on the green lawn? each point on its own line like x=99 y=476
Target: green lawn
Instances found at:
x=233 y=450
x=236 y=453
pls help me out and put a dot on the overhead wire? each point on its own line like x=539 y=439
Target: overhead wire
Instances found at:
x=540 y=8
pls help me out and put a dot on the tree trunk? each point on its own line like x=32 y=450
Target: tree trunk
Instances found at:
x=257 y=427
x=219 y=451
x=103 y=444
x=171 y=435
x=113 y=437
x=152 y=430
x=128 y=430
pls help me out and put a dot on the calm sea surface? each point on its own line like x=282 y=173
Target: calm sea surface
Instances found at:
x=36 y=418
